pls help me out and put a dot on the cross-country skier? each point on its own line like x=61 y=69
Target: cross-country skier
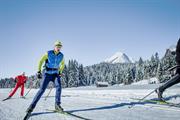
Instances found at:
x=54 y=65
x=20 y=80
x=174 y=80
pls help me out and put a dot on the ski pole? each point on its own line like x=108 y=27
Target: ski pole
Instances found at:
x=28 y=92
x=147 y=95
x=29 y=89
x=141 y=99
x=11 y=87
x=48 y=94
x=177 y=66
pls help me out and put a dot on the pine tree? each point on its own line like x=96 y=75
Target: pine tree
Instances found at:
x=82 y=80
x=65 y=78
x=129 y=77
x=160 y=73
x=140 y=62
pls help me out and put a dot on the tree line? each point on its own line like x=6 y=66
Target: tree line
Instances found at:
x=76 y=74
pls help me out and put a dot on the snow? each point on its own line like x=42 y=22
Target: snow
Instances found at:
x=131 y=59
x=146 y=81
x=119 y=57
x=172 y=48
x=110 y=103
x=103 y=83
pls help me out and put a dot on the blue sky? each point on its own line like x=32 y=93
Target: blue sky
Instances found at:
x=90 y=30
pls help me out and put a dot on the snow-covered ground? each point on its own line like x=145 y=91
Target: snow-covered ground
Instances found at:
x=94 y=103
x=147 y=81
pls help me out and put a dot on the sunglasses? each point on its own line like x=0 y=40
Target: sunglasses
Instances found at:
x=58 y=46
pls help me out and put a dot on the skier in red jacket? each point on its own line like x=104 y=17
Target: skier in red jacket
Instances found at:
x=20 y=80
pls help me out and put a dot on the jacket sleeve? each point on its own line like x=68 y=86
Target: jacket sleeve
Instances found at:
x=42 y=60
x=62 y=65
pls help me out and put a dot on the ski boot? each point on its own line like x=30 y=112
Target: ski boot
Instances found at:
x=159 y=93
x=22 y=97
x=58 y=108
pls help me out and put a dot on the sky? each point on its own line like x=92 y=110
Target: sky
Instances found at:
x=90 y=30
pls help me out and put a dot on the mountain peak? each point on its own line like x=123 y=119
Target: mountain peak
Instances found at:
x=118 y=57
x=172 y=48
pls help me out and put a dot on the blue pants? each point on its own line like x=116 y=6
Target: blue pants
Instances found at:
x=45 y=82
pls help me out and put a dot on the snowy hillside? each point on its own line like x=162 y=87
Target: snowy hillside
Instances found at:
x=172 y=48
x=119 y=57
x=109 y=103
x=147 y=81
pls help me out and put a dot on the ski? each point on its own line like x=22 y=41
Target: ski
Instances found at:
x=161 y=107
x=69 y=114
x=141 y=99
x=13 y=98
x=158 y=102
x=6 y=99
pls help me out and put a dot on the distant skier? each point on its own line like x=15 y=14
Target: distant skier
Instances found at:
x=20 y=80
x=174 y=80
x=54 y=65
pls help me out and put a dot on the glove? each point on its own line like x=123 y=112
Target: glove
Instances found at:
x=39 y=75
x=61 y=74
x=15 y=80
